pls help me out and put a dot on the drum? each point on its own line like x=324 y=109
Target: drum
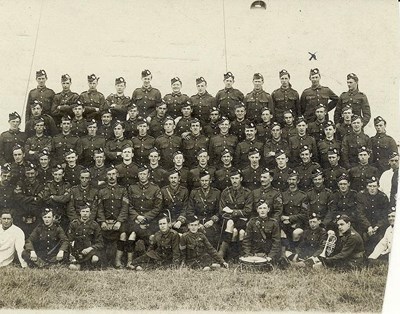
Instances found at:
x=257 y=263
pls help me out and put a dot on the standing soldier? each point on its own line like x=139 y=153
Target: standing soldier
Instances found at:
x=281 y=172
x=275 y=143
x=318 y=196
x=245 y=146
x=193 y=143
x=359 y=174
x=98 y=172
x=36 y=109
x=328 y=143
x=63 y=101
x=315 y=95
x=222 y=175
x=212 y=128
x=316 y=128
x=106 y=129
x=112 y=214
x=264 y=127
x=221 y=141
x=227 y=98
x=258 y=99
x=334 y=171
x=142 y=143
x=90 y=143
x=239 y=122
x=251 y=174
x=127 y=169
x=18 y=166
x=10 y=138
x=78 y=122
x=202 y=101
x=156 y=125
x=288 y=128
x=132 y=121
x=42 y=94
x=72 y=168
x=354 y=98
x=344 y=128
x=91 y=99
x=158 y=175
x=202 y=158
x=118 y=103
x=44 y=167
x=146 y=97
x=113 y=148
x=285 y=98
x=306 y=168
x=176 y=99
x=168 y=143
x=37 y=143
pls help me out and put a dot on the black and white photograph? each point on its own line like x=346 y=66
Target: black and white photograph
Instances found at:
x=204 y=156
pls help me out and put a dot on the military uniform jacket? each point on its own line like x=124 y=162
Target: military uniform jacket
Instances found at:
x=106 y=131
x=84 y=235
x=318 y=199
x=288 y=131
x=237 y=129
x=61 y=196
x=158 y=176
x=263 y=131
x=217 y=145
x=72 y=175
x=349 y=248
x=296 y=142
x=202 y=105
x=98 y=176
x=146 y=99
x=271 y=145
x=165 y=247
x=195 y=247
x=131 y=129
x=295 y=205
x=121 y=106
x=372 y=210
x=78 y=127
x=223 y=178
x=112 y=204
x=167 y=145
x=204 y=204
x=44 y=95
x=114 y=146
x=51 y=127
x=312 y=243
x=316 y=130
x=211 y=129
x=194 y=175
x=176 y=201
x=174 y=103
x=191 y=146
x=242 y=150
x=251 y=177
x=273 y=197
x=285 y=99
x=280 y=178
x=145 y=200
x=183 y=125
x=29 y=201
x=127 y=173
x=255 y=101
x=6 y=196
x=8 y=140
x=323 y=147
x=37 y=144
x=342 y=129
x=382 y=145
x=350 y=145
x=156 y=126
x=226 y=99
x=47 y=241
x=89 y=144
x=92 y=100
x=342 y=204
x=64 y=100
x=359 y=174
x=141 y=148
x=359 y=105
x=305 y=174
x=240 y=201
x=331 y=175
x=64 y=142
x=82 y=196
x=312 y=97
x=263 y=235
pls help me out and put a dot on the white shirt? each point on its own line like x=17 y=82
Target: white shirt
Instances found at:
x=385 y=182
x=12 y=241
x=385 y=244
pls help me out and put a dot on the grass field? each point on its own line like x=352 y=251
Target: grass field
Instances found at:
x=222 y=290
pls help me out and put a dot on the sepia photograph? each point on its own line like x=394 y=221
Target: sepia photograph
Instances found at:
x=199 y=156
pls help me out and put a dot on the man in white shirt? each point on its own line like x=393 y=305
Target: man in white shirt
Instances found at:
x=389 y=179
x=12 y=240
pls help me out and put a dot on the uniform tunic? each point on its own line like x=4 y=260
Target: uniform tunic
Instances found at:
x=64 y=100
x=191 y=146
x=242 y=150
x=305 y=174
x=176 y=201
x=146 y=99
x=359 y=105
x=175 y=103
x=141 y=148
x=350 y=145
x=295 y=205
x=331 y=175
x=312 y=97
x=255 y=101
x=382 y=146
x=120 y=109
x=202 y=105
x=285 y=99
x=318 y=199
x=92 y=100
x=312 y=243
x=273 y=197
x=226 y=100
x=323 y=147
x=359 y=174
x=296 y=142
x=89 y=144
x=168 y=145
x=80 y=197
x=44 y=95
x=218 y=144
x=8 y=140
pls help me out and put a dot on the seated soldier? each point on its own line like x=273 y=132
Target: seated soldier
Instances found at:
x=47 y=243
x=163 y=249
x=86 y=241
x=263 y=236
x=196 y=250
x=381 y=253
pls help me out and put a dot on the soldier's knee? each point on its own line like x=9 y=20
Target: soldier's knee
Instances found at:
x=132 y=236
x=229 y=226
x=242 y=233
x=122 y=236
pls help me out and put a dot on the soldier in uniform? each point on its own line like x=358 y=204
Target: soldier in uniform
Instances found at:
x=227 y=98
x=72 y=168
x=106 y=126
x=296 y=142
x=178 y=160
x=306 y=168
x=92 y=99
x=10 y=138
x=42 y=94
x=90 y=143
x=142 y=143
x=194 y=174
x=176 y=99
x=112 y=214
x=132 y=121
x=315 y=95
x=270 y=195
x=263 y=235
x=6 y=189
x=163 y=250
x=37 y=143
x=353 y=142
x=168 y=143
x=359 y=174
x=183 y=125
x=127 y=169
x=373 y=206
x=316 y=128
x=196 y=250
x=390 y=178
x=146 y=97
x=289 y=128
x=239 y=122
x=281 y=172
x=86 y=241
x=63 y=101
x=275 y=143
x=251 y=174
x=258 y=99
x=221 y=141
x=203 y=203
x=158 y=175
x=78 y=123
x=47 y=244
x=45 y=167
x=344 y=128
x=222 y=174
x=382 y=145
x=285 y=98
x=203 y=102
x=356 y=99
x=118 y=102
x=113 y=148
x=98 y=172
x=318 y=195
x=156 y=125
x=83 y=194
x=36 y=109
x=327 y=143
x=18 y=166
x=212 y=127
x=334 y=171
x=264 y=127
x=244 y=147
x=193 y=143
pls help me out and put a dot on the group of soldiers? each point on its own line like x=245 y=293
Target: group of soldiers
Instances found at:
x=201 y=180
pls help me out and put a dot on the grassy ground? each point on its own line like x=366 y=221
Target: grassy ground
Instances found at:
x=232 y=289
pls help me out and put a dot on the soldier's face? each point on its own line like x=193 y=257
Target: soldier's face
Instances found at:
x=127 y=154
x=30 y=175
x=92 y=85
x=161 y=110
x=266 y=116
x=66 y=85
x=240 y=113
x=85 y=179
x=315 y=78
x=201 y=87
x=285 y=80
x=305 y=156
x=263 y=210
x=106 y=118
x=5 y=177
x=373 y=188
x=169 y=126
x=356 y=125
x=143 y=128
x=320 y=113
x=66 y=126
x=14 y=124
x=178 y=160
x=203 y=158
x=133 y=112
x=147 y=80
x=258 y=83
x=194 y=226
x=224 y=126
x=281 y=161
x=48 y=219
x=329 y=131
x=250 y=133
x=92 y=129
x=236 y=180
x=318 y=181
x=214 y=116
x=314 y=223
x=226 y=159
x=176 y=86
x=6 y=221
x=71 y=159
x=347 y=114
x=41 y=80
x=195 y=128
x=58 y=175
x=186 y=111
x=174 y=179
x=44 y=161
x=301 y=128
x=266 y=179
x=391 y=218
x=363 y=157
x=293 y=181
x=352 y=84
x=18 y=156
x=380 y=127
x=228 y=82
x=333 y=159
x=343 y=185
x=118 y=131
x=144 y=176
x=205 y=182
x=154 y=158
x=36 y=110
x=288 y=117
x=112 y=176
x=120 y=88
x=78 y=111
x=99 y=159
x=163 y=225
x=255 y=159
x=276 y=132
x=85 y=213
x=394 y=162
x=343 y=226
